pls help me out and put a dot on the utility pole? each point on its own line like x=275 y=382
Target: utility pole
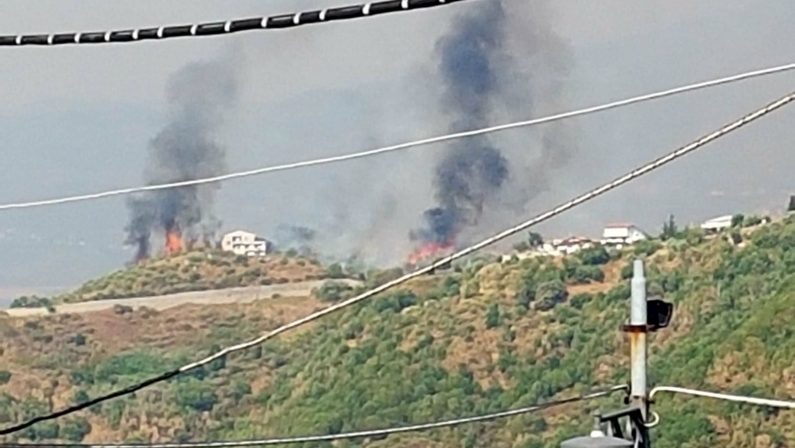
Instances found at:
x=644 y=316
x=637 y=330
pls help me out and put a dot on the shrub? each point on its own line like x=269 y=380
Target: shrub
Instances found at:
x=32 y=302
x=750 y=221
x=5 y=376
x=81 y=396
x=527 y=294
x=585 y=274
x=127 y=364
x=627 y=271
x=122 y=309
x=380 y=277
x=240 y=389
x=579 y=300
x=196 y=395
x=335 y=271
x=594 y=256
x=333 y=291
x=75 y=429
x=549 y=294
x=79 y=339
x=493 y=316
x=46 y=431
x=646 y=247
x=396 y=301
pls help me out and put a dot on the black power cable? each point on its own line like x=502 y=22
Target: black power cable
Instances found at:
x=222 y=27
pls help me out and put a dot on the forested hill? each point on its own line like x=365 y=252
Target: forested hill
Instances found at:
x=483 y=337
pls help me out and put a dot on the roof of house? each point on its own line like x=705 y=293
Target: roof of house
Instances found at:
x=720 y=219
x=575 y=240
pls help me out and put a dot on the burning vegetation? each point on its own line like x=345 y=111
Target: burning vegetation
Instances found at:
x=474 y=170
x=186 y=148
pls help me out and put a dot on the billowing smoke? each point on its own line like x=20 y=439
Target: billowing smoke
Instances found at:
x=186 y=148
x=480 y=79
x=300 y=238
x=474 y=170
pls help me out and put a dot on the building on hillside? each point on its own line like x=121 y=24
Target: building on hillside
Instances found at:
x=623 y=234
x=715 y=225
x=572 y=244
x=554 y=248
x=245 y=243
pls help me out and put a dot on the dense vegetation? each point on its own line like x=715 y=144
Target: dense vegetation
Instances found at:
x=190 y=271
x=483 y=337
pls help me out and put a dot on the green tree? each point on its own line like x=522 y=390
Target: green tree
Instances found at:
x=493 y=316
x=737 y=220
x=5 y=376
x=535 y=239
x=669 y=229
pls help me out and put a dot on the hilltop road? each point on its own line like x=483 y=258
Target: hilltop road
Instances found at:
x=212 y=297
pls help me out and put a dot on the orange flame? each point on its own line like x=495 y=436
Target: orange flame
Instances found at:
x=173 y=242
x=429 y=251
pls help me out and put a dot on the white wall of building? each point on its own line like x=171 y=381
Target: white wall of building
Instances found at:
x=241 y=242
x=717 y=224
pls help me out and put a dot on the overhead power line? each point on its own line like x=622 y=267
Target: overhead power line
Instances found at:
x=407 y=145
x=342 y=436
x=788 y=404
x=444 y=261
x=222 y=27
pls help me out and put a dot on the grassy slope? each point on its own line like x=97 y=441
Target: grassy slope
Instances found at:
x=436 y=351
x=195 y=271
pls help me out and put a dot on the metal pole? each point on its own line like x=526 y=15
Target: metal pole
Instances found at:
x=637 y=335
x=637 y=329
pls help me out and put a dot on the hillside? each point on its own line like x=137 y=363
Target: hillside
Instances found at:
x=197 y=270
x=483 y=337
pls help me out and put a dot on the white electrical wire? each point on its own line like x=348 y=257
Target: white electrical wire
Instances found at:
x=407 y=145
x=721 y=396
x=341 y=436
x=440 y=263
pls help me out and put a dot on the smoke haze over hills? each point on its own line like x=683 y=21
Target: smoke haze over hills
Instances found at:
x=323 y=90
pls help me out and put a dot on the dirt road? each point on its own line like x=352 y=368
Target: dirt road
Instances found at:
x=213 y=297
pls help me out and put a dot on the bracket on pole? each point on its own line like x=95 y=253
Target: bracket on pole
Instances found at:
x=636 y=420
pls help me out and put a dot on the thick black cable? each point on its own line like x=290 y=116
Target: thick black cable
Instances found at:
x=88 y=403
x=222 y=27
x=331 y=437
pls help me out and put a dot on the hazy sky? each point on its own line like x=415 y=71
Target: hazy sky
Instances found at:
x=79 y=119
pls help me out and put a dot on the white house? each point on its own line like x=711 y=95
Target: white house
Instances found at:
x=241 y=242
x=572 y=245
x=554 y=248
x=622 y=234
x=715 y=225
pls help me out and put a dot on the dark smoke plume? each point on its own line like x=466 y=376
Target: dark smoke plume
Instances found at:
x=498 y=58
x=473 y=171
x=186 y=148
